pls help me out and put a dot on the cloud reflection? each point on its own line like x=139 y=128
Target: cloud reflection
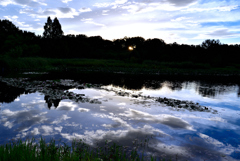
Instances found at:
x=22 y=119
x=118 y=123
x=67 y=106
x=165 y=119
x=59 y=120
x=47 y=130
x=83 y=110
x=123 y=137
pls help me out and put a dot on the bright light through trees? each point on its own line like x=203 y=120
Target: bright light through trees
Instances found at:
x=130 y=48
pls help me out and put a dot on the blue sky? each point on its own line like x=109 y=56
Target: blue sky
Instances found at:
x=181 y=21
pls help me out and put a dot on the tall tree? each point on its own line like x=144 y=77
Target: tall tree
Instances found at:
x=48 y=29
x=56 y=29
x=210 y=43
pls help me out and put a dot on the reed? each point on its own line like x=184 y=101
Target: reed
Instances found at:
x=29 y=151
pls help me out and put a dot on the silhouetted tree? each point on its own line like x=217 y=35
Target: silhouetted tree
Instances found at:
x=154 y=48
x=7 y=26
x=17 y=43
x=136 y=42
x=52 y=29
x=119 y=44
x=56 y=29
x=210 y=43
x=48 y=29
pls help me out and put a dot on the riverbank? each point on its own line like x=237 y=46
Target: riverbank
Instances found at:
x=115 y=66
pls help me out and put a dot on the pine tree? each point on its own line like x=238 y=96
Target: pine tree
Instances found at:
x=48 y=29
x=57 y=29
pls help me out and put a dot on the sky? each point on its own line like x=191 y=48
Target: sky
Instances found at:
x=181 y=21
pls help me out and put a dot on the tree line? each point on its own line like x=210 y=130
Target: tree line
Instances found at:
x=54 y=44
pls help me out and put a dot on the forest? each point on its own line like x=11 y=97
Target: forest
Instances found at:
x=16 y=43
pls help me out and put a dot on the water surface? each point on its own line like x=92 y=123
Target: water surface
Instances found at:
x=126 y=111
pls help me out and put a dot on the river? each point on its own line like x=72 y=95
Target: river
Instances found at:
x=182 y=117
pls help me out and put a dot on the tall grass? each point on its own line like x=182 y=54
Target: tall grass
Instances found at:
x=24 y=63
x=108 y=65
x=30 y=151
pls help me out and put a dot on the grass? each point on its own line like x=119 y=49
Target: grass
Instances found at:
x=30 y=151
x=25 y=63
x=108 y=65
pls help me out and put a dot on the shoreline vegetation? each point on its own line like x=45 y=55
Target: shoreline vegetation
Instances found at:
x=29 y=150
x=115 y=66
x=53 y=51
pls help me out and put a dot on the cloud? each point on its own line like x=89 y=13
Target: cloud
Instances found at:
x=114 y=5
x=65 y=10
x=100 y=5
x=117 y=3
x=15 y=17
x=15 y=21
x=221 y=32
x=70 y=14
x=36 y=4
x=137 y=7
x=134 y=8
x=180 y=19
x=94 y=23
x=120 y=1
x=90 y=21
x=205 y=9
x=49 y=13
x=181 y=2
x=85 y=9
x=59 y=12
x=104 y=12
x=22 y=1
x=218 y=34
x=156 y=15
x=29 y=11
x=228 y=8
x=6 y=2
x=30 y=3
x=66 y=1
x=86 y=19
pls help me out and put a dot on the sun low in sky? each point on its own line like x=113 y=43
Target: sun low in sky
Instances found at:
x=181 y=21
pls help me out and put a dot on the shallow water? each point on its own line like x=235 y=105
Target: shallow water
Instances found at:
x=68 y=109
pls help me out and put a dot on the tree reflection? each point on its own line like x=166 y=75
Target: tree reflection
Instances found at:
x=11 y=88
x=50 y=102
x=8 y=93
